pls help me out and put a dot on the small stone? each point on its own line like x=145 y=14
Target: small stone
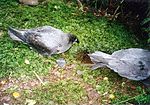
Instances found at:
x=61 y=62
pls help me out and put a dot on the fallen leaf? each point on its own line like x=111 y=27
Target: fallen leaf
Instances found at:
x=16 y=95
x=26 y=62
x=30 y=102
x=111 y=96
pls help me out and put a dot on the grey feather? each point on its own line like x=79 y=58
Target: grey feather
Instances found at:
x=133 y=63
x=16 y=34
x=46 y=40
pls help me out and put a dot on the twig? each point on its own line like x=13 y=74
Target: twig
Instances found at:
x=114 y=15
x=80 y=5
x=38 y=78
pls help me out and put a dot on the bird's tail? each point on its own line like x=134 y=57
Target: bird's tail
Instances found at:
x=99 y=59
x=16 y=34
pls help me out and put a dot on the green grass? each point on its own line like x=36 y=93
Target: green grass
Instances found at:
x=59 y=93
x=94 y=34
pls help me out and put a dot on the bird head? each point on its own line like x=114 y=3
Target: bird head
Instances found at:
x=73 y=38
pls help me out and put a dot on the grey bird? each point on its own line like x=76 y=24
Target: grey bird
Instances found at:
x=132 y=63
x=46 y=40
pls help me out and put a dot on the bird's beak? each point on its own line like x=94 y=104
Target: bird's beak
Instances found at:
x=77 y=40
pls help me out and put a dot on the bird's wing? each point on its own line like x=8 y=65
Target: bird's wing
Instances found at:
x=50 y=33
x=53 y=38
x=34 y=40
x=132 y=53
x=134 y=70
x=45 y=29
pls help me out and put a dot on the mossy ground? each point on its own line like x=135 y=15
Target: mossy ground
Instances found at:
x=62 y=85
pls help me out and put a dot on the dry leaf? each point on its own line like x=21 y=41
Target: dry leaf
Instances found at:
x=16 y=95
